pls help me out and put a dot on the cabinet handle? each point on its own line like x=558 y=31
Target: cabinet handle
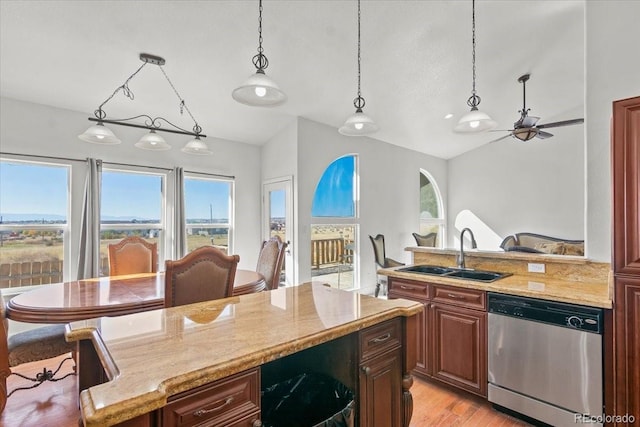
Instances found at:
x=366 y=370
x=257 y=423
x=405 y=287
x=381 y=339
x=456 y=296
x=202 y=412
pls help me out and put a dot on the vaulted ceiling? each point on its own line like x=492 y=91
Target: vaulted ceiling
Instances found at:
x=416 y=62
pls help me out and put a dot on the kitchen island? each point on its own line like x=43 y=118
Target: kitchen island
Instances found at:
x=209 y=361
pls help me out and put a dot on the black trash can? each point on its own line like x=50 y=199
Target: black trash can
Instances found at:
x=308 y=400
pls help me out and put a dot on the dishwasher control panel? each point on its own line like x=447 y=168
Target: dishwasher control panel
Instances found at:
x=573 y=316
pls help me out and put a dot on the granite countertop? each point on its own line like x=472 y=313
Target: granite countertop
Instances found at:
x=590 y=292
x=156 y=354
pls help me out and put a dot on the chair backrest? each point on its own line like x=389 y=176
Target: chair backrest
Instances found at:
x=426 y=240
x=132 y=255
x=204 y=274
x=378 y=249
x=270 y=261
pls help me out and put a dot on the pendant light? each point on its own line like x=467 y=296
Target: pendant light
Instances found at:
x=259 y=90
x=100 y=134
x=152 y=141
x=475 y=120
x=358 y=124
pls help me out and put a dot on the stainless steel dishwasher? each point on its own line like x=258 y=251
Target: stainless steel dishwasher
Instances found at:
x=545 y=359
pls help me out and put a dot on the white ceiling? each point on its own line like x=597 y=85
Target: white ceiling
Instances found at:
x=416 y=62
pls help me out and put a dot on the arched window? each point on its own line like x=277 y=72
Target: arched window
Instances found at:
x=431 y=208
x=334 y=229
x=335 y=193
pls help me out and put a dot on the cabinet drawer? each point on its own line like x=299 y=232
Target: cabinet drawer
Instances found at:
x=220 y=403
x=462 y=297
x=409 y=289
x=380 y=338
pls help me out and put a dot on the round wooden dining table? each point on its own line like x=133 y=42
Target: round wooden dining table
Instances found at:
x=106 y=296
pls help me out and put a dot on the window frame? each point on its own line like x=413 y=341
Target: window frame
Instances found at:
x=440 y=222
x=161 y=226
x=230 y=225
x=65 y=228
x=351 y=221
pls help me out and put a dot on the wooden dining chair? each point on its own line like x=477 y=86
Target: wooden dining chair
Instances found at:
x=33 y=345
x=204 y=274
x=132 y=255
x=270 y=261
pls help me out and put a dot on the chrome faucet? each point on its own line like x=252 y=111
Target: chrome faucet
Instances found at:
x=473 y=246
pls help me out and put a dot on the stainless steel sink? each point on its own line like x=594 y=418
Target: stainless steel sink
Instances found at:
x=467 y=274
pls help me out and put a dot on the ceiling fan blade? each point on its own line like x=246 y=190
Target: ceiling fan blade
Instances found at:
x=562 y=123
x=500 y=139
x=529 y=121
x=543 y=135
x=501 y=130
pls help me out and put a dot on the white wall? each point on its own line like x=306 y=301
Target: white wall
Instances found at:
x=613 y=73
x=279 y=159
x=516 y=187
x=389 y=191
x=35 y=129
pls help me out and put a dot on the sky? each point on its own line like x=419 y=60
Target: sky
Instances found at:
x=43 y=190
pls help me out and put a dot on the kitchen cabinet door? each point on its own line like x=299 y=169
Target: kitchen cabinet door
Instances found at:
x=381 y=390
x=459 y=347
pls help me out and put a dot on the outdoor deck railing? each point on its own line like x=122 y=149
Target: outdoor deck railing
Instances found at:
x=324 y=252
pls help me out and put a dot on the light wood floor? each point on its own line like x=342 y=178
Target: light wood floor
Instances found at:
x=55 y=404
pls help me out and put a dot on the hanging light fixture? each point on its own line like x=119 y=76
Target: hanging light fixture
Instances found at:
x=475 y=120
x=259 y=90
x=100 y=134
x=358 y=123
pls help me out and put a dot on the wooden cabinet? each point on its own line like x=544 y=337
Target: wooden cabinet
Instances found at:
x=624 y=367
x=233 y=401
x=451 y=338
x=381 y=375
x=459 y=347
x=416 y=291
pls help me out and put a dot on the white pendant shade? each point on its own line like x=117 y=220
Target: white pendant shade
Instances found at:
x=358 y=124
x=99 y=134
x=474 y=121
x=196 y=146
x=152 y=141
x=259 y=90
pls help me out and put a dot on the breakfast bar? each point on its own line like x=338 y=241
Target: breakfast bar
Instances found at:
x=210 y=360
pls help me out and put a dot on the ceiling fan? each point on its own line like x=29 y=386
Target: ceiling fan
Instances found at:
x=526 y=128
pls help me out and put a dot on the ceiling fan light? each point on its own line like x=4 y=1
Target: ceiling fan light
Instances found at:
x=152 y=141
x=358 y=124
x=259 y=90
x=99 y=134
x=525 y=134
x=474 y=121
x=197 y=147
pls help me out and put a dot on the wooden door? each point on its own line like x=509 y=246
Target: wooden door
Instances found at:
x=459 y=347
x=381 y=390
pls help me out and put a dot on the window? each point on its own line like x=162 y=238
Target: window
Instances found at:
x=431 y=211
x=208 y=211
x=34 y=205
x=132 y=204
x=334 y=236
x=335 y=193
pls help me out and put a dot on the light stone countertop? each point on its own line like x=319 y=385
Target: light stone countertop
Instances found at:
x=152 y=355
x=593 y=293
